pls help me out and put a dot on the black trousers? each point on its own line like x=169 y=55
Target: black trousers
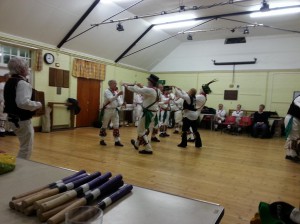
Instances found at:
x=187 y=123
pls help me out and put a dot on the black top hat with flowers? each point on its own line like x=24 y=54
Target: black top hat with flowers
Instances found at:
x=153 y=78
x=206 y=88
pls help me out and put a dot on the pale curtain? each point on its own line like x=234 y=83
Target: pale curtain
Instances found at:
x=88 y=69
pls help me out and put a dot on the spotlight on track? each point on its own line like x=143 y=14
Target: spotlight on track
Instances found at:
x=189 y=37
x=265 y=6
x=246 y=30
x=120 y=27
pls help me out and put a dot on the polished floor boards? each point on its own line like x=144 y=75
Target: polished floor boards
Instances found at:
x=235 y=171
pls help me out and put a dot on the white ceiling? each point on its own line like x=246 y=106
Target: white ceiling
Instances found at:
x=49 y=21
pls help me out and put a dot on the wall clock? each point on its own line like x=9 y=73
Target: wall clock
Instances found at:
x=49 y=58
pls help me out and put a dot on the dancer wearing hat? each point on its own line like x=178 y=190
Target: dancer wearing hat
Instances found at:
x=201 y=99
x=111 y=102
x=151 y=97
x=156 y=123
x=292 y=129
x=192 y=106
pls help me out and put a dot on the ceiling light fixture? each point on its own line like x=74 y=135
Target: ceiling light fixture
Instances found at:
x=275 y=12
x=120 y=27
x=265 y=6
x=246 y=30
x=189 y=37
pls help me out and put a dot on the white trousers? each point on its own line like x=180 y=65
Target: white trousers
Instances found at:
x=164 y=113
x=294 y=135
x=137 y=113
x=141 y=130
x=178 y=116
x=111 y=115
x=25 y=135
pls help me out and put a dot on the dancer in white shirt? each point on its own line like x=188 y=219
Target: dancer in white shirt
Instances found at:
x=151 y=97
x=292 y=129
x=111 y=103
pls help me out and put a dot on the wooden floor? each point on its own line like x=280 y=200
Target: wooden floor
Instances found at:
x=235 y=171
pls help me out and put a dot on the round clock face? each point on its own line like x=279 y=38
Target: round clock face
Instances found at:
x=49 y=58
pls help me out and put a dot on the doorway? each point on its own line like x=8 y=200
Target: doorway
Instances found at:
x=88 y=96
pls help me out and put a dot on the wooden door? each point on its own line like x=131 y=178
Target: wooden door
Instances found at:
x=88 y=95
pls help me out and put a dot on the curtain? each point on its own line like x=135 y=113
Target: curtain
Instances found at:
x=88 y=69
x=38 y=66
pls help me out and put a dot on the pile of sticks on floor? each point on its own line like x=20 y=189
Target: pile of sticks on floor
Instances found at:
x=50 y=203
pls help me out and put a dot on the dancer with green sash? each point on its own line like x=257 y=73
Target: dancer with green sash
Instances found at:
x=151 y=97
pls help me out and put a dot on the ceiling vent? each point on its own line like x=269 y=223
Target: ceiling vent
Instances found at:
x=237 y=40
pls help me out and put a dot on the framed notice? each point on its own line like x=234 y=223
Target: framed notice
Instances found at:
x=296 y=93
x=230 y=94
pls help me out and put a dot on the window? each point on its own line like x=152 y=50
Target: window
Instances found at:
x=8 y=52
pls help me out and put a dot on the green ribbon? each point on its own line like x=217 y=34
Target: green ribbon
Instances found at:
x=165 y=116
x=288 y=128
x=148 y=117
x=155 y=121
x=265 y=214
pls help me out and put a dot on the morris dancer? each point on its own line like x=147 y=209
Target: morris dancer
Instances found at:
x=111 y=102
x=150 y=107
x=292 y=128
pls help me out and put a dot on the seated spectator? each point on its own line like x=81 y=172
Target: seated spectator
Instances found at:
x=260 y=123
x=238 y=113
x=220 y=116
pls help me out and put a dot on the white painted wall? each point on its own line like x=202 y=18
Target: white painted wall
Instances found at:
x=272 y=53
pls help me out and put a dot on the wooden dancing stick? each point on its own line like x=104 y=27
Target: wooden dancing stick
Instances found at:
x=105 y=188
x=64 y=187
x=49 y=185
x=38 y=203
x=112 y=198
x=44 y=216
x=69 y=195
x=16 y=203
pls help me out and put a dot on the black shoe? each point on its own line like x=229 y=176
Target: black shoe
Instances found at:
x=2 y=134
x=176 y=132
x=295 y=159
x=162 y=135
x=198 y=146
x=191 y=140
x=102 y=142
x=10 y=133
x=155 y=139
x=181 y=145
x=166 y=135
x=133 y=143
x=145 y=152
x=118 y=143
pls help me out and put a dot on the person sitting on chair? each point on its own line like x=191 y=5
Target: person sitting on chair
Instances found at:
x=238 y=113
x=260 y=123
x=220 y=116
